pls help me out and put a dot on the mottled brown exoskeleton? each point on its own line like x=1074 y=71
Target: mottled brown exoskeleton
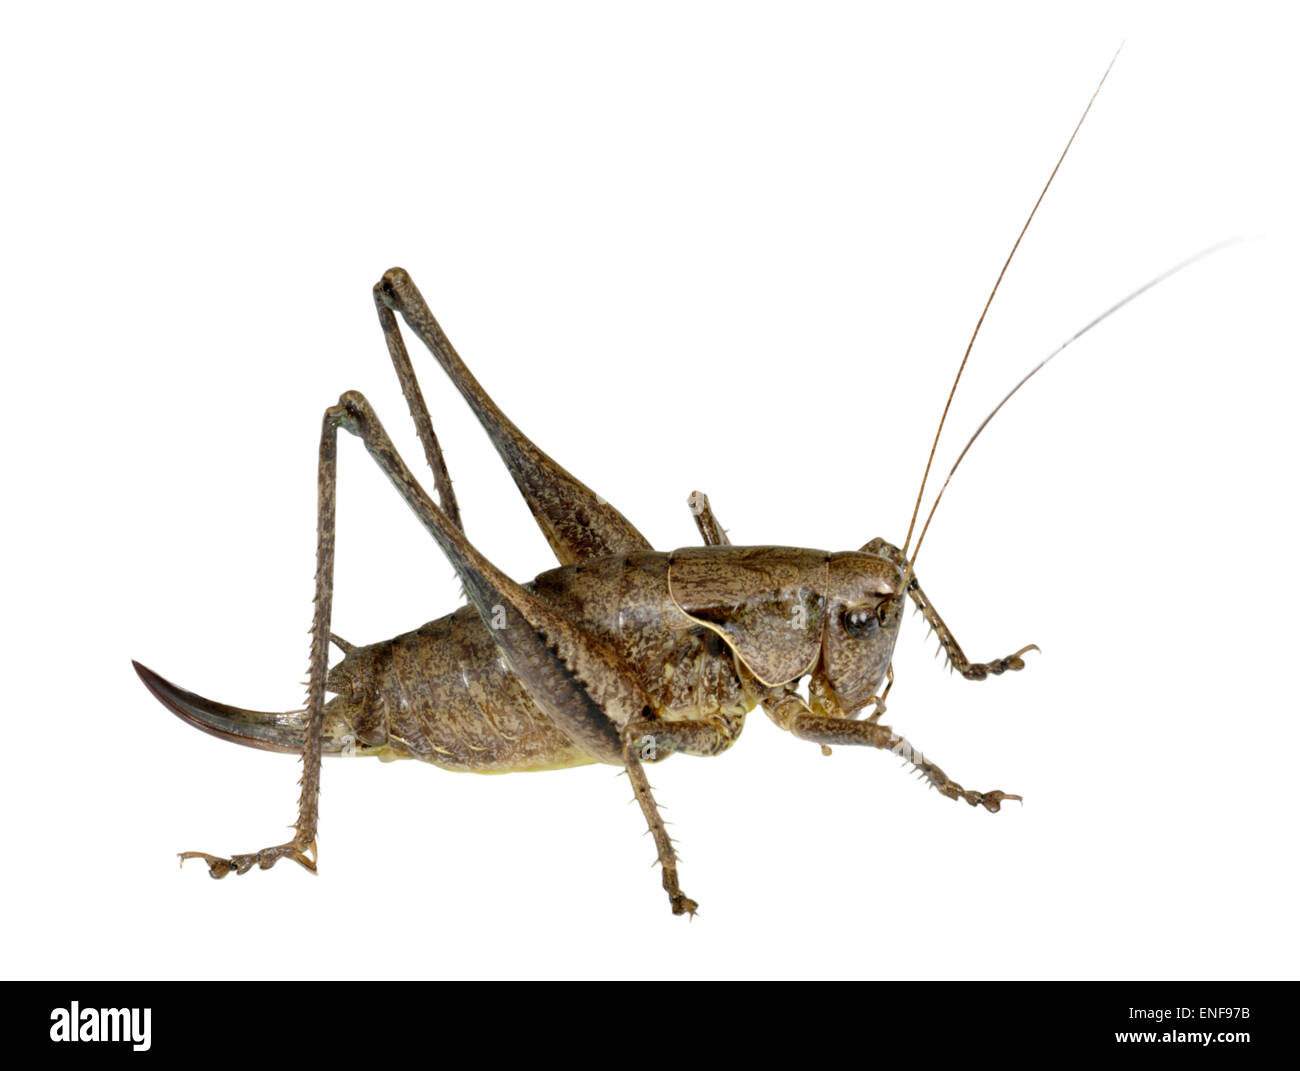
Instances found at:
x=623 y=655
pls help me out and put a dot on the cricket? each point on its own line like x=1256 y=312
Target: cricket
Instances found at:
x=622 y=654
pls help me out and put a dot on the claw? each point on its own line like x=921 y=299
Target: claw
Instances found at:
x=1014 y=662
x=992 y=801
x=978 y=671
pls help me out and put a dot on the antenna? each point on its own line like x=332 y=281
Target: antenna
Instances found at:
x=975 y=334
x=1038 y=367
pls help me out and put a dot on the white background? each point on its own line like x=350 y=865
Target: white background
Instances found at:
x=732 y=247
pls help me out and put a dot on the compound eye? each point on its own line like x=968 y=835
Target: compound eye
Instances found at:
x=861 y=624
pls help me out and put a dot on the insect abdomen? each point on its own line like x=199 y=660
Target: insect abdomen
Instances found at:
x=443 y=694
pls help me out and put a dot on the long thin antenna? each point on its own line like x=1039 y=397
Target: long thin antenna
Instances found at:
x=975 y=334
x=1038 y=367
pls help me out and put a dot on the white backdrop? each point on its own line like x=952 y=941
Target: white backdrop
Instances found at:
x=732 y=247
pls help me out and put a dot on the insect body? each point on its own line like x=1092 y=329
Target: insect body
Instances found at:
x=623 y=655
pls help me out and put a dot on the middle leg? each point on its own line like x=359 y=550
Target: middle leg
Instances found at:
x=713 y=534
x=827 y=731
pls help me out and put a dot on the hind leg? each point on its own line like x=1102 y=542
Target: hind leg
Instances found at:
x=578 y=523
x=585 y=688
